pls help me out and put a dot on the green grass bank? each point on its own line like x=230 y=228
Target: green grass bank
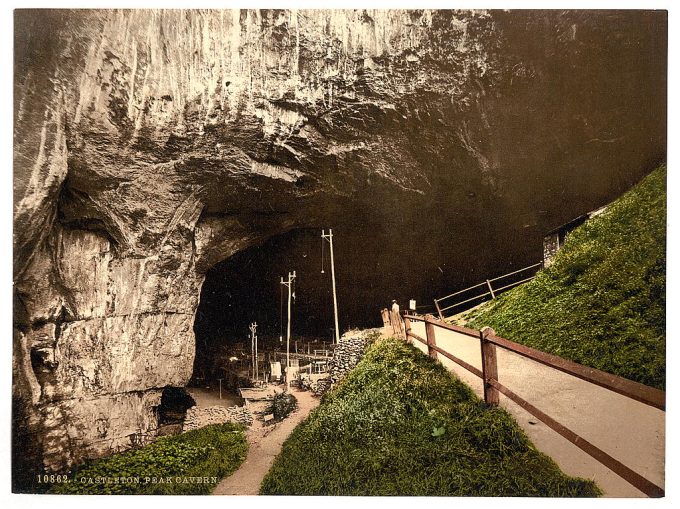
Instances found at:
x=215 y=451
x=401 y=424
x=602 y=302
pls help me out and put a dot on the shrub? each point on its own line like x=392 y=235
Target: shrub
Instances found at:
x=281 y=406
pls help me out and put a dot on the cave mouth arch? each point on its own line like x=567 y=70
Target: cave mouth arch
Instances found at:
x=172 y=410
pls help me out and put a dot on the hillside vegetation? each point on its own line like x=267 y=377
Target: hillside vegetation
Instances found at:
x=401 y=424
x=602 y=302
x=212 y=452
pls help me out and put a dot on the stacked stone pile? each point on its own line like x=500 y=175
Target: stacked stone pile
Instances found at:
x=198 y=417
x=347 y=355
x=240 y=415
x=318 y=387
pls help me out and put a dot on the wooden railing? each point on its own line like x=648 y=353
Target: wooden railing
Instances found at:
x=486 y=289
x=489 y=341
x=392 y=321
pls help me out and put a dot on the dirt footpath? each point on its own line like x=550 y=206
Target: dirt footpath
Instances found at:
x=265 y=443
x=630 y=431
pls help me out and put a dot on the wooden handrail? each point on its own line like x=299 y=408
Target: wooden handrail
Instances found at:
x=645 y=486
x=449 y=326
x=466 y=301
x=517 y=271
x=489 y=340
x=459 y=292
x=415 y=336
x=487 y=282
x=634 y=390
x=449 y=356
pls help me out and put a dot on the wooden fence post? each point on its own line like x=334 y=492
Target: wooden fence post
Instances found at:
x=385 y=317
x=488 y=283
x=407 y=329
x=439 y=310
x=429 y=334
x=489 y=366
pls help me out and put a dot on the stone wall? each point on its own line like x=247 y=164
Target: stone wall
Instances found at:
x=198 y=417
x=348 y=353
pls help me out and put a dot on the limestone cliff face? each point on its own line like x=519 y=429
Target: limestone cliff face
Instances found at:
x=150 y=145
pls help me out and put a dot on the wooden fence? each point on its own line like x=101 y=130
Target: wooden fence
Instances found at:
x=392 y=321
x=485 y=289
x=492 y=387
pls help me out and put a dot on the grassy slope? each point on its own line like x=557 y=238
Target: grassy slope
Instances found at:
x=215 y=450
x=602 y=302
x=401 y=424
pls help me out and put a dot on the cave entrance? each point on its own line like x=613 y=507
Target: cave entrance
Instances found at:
x=244 y=289
x=175 y=401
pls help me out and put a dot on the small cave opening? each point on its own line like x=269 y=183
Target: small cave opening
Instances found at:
x=175 y=401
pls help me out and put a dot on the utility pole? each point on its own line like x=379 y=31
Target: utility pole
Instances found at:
x=289 y=284
x=253 y=348
x=329 y=237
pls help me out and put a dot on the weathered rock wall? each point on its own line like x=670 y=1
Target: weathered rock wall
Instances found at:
x=150 y=145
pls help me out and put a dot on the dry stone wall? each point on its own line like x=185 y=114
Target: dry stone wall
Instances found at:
x=198 y=417
x=349 y=352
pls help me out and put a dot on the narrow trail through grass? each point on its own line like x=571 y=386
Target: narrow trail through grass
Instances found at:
x=265 y=443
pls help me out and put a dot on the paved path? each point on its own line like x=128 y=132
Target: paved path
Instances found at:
x=264 y=444
x=629 y=431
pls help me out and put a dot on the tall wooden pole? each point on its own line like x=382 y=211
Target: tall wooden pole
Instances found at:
x=329 y=238
x=289 y=284
x=253 y=349
x=288 y=339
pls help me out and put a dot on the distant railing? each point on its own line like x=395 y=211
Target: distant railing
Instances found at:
x=487 y=289
x=492 y=387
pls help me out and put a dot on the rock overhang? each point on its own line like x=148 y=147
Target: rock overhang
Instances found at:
x=151 y=145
